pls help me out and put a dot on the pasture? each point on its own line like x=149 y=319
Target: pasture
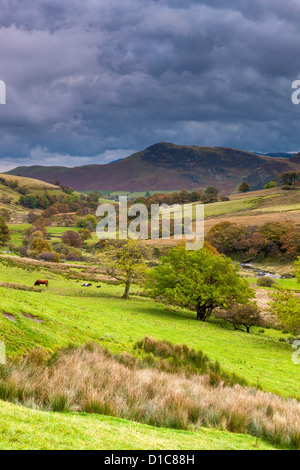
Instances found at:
x=22 y=428
x=69 y=313
x=66 y=313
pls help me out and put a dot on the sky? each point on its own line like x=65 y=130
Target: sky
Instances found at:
x=93 y=81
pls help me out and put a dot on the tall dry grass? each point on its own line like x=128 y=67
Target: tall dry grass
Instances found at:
x=91 y=380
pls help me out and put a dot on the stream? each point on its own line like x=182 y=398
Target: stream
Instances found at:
x=259 y=272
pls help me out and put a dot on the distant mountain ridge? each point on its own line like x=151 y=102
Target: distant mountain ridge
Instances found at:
x=280 y=155
x=165 y=166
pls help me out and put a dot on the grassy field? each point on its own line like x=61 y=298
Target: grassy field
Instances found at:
x=292 y=284
x=28 y=182
x=67 y=313
x=230 y=207
x=73 y=314
x=22 y=428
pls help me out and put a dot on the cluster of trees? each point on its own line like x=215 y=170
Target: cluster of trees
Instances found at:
x=201 y=280
x=13 y=184
x=36 y=242
x=70 y=206
x=182 y=197
x=273 y=239
x=288 y=180
x=59 y=203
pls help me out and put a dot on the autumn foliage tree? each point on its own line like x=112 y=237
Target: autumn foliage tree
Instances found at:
x=273 y=239
x=244 y=187
x=38 y=246
x=84 y=234
x=71 y=238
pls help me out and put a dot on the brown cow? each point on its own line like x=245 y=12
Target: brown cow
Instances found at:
x=41 y=282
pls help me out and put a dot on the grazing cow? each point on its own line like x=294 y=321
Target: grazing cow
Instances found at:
x=86 y=284
x=41 y=282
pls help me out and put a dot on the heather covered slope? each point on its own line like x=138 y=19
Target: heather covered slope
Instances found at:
x=166 y=166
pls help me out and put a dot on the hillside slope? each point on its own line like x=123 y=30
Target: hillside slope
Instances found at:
x=10 y=195
x=28 y=182
x=166 y=166
x=22 y=428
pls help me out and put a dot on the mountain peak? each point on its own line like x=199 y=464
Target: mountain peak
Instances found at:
x=167 y=166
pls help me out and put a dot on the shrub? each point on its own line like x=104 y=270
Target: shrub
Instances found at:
x=89 y=222
x=51 y=257
x=74 y=255
x=38 y=245
x=271 y=185
x=61 y=248
x=59 y=402
x=265 y=281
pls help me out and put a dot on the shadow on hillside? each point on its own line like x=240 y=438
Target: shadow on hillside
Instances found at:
x=157 y=309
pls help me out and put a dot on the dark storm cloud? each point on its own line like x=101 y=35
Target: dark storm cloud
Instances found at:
x=93 y=81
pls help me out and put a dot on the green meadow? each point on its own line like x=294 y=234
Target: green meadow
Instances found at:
x=66 y=314
x=74 y=314
x=26 y=429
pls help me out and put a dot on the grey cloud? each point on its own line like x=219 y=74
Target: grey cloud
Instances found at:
x=86 y=79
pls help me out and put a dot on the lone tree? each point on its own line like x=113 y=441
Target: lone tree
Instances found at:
x=199 y=280
x=212 y=191
x=242 y=316
x=244 y=187
x=126 y=261
x=4 y=231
